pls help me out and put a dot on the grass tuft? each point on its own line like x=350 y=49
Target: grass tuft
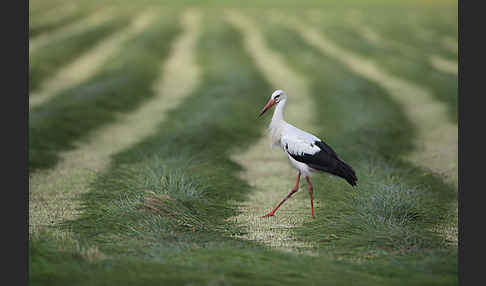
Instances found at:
x=391 y=203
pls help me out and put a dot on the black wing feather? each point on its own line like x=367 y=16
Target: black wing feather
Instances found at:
x=328 y=161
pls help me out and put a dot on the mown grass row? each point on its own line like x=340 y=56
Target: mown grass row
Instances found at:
x=159 y=213
x=413 y=65
x=125 y=82
x=44 y=63
x=38 y=9
x=396 y=206
x=434 y=28
x=46 y=16
x=36 y=29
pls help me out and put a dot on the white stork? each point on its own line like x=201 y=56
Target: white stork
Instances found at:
x=306 y=152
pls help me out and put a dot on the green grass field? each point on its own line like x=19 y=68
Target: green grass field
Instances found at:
x=133 y=176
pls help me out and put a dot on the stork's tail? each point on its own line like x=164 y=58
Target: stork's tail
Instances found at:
x=346 y=172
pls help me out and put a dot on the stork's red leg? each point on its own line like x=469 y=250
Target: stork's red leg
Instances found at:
x=309 y=187
x=295 y=189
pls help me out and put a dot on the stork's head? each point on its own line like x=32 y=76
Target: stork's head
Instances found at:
x=276 y=97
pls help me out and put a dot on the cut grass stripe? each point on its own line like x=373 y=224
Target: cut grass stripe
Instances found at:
x=414 y=67
x=410 y=32
x=124 y=82
x=376 y=39
x=50 y=22
x=84 y=24
x=443 y=65
x=436 y=142
x=87 y=64
x=53 y=194
x=41 y=12
x=48 y=65
x=269 y=172
x=440 y=63
x=450 y=44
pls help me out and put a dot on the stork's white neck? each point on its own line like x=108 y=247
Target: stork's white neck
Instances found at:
x=278 y=113
x=277 y=124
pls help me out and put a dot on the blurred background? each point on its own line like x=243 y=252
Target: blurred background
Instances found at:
x=147 y=105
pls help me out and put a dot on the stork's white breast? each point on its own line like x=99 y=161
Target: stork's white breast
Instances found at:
x=298 y=142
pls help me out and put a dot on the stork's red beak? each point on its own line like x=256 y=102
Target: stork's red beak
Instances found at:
x=270 y=103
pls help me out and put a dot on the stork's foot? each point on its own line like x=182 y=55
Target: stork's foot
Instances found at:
x=268 y=214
